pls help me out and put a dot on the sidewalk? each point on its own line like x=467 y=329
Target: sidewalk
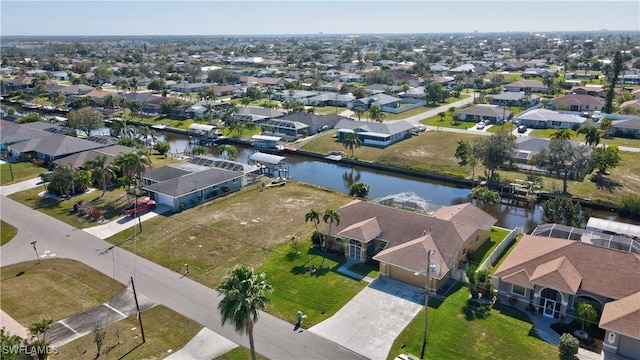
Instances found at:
x=123 y=223
x=7 y=190
x=12 y=326
x=204 y=346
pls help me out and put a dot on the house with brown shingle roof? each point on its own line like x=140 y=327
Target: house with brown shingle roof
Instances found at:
x=577 y=102
x=554 y=275
x=400 y=239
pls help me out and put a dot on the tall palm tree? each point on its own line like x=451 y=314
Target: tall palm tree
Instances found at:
x=134 y=84
x=359 y=112
x=591 y=135
x=269 y=91
x=230 y=150
x=244 y=296
x=351 y=141
x=209 y=109
x=245 y=101
x=101 y=171
x=561 y=134
x=109 y=102
x=133 y=164
x=376 y=114
x=211 y=94
x=145 y=134
x=329 y=217
x=314 y=217
x=441 y=115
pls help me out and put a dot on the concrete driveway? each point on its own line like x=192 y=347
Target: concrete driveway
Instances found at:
x=371 y=321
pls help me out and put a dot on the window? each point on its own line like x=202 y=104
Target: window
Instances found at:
x=518 y=290
x=339 y=241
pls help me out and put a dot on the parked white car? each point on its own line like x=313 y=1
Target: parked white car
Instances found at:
x=480 y=126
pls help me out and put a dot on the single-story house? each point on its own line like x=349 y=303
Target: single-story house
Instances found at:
x=74 y=90
x=189 y=184
x=382 y=100
x=52 y=146
x=19 y=83
x=381 y=88
x=294 y=95
x=299 y=124
x=526 y=86
x=626 y=128
x=544 y=118
x=529 y=146
x=374 y=133
x=493 y=113
x=593 y=90
x=330 y=99
x=554 y=275
x=266 y=81
x=634 y=104
x=415 y=93
x=512 y=98
x=535 y=72
x=187 y=87
x=79 y=160
x=399 y=239
x=257 y=114
x=577 y=102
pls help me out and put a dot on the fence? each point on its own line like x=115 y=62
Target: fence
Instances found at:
x=501 y=247
x=414 y=105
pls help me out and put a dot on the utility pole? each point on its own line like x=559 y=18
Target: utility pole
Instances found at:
x=135 y=297
x=426 y=303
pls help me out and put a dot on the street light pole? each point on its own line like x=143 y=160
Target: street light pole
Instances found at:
x=36 y=250
x=426 y=303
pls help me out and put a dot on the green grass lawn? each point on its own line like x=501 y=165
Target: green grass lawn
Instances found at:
x=617 y=141
x=318 y=295
x=460 y=330
x=496 y=264
x=164 y=330
x=447 y=122
x=483 y=252
x=239 y=353
x=21 y=171
x=53 y=289
x=365 y=270
x=7 y=232
x=400 y=116
x=235 y=229
x=430 y=151
x=324 y=110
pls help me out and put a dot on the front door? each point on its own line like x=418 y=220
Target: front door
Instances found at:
x=355 y=250
x=549 y=306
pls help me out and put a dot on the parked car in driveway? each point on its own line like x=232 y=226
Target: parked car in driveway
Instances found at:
x=139 y=207
x=522 y=129
x=480 y=126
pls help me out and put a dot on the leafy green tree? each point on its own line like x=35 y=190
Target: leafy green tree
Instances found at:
x=329 y=217
x=587 y=314
x=484 y=195
x=591 y=135
x=30 y=118
x=494 y=151
x=135 y=106
x=85 y=120
x=563 y=160
x=199 y=150
x=434 y=92
x=603 y=158
x=351 y=141
x=617 y=67
x=605 y=126
x=466 y=156
x=101 y=171
x=40 y=328
x=162 y=147
x=157 y=84
x=245 y=101
x=629 y=205
x=8 y=341
x=253 y=93
x=245 y=295
x=562 y=210
x=376 y=113
x=360 y=190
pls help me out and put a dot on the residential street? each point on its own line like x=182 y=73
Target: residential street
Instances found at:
x=274 y=337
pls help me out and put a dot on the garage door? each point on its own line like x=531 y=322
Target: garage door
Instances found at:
x=629 y=347
x=164 y=199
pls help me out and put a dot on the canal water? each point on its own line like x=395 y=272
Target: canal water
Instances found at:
x=413 y=190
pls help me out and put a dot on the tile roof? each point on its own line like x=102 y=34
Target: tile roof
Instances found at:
x=486 y=110
x=623 y=316
x=412 y=256
x=375 y=127
x=80 y=159
x=578 y=99
x=56 y=145
x=526 y=84
x=364 y=231
x=600 y=268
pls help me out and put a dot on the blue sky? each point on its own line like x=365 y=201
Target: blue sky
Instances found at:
x=90 y=17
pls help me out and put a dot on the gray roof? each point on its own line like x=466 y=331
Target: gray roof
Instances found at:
x=56 y=145
x=380 y=99
x=252 y=110
x=627 y=124
x=390 y=128
x=164 y=173
x=312 y=119
x=486 y=110
x=80 y=159
x=16 y=133
x=513 y=96
x=332 y=96
x=193 y=182
x=550 y=115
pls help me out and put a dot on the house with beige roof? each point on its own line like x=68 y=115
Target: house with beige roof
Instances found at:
x=399 y=239
x=554 y=275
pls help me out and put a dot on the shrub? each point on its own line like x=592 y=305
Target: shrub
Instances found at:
x=568 y=346
x=316 y=238
x=630 y=205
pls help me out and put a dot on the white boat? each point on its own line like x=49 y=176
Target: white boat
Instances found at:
x=159 y=126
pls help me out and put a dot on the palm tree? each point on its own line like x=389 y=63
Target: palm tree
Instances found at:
x=245 y=101
x=134 y=84
x=329 y=217
x=109 y=102
x=145 y=133
x=211 y=94
x=376 y=114
x=41 y=328
x=561 y=134
x=314 y=217
x=591 y=135
x=359 y=112
x=209 y=109
x=101 y=171
x=269 y=92
x=230 y=150
x=63 y=180
x=133 y=163
x=405 y=88
x=441 y=115
x=351 y=141
x=244 y=296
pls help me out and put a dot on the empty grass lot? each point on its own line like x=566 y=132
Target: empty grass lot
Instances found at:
x=430 y=151
x=21 y=171
x=7 y=232
x=459 y=329
x=248 y=227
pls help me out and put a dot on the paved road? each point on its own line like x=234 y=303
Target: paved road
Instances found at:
x=274 y=338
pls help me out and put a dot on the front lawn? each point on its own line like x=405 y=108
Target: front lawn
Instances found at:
x=400 y=116
x=7 y=232
x=447 y=122
x=21 y=171
x=324 y=110
x=459 y=329
x=318 y=294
